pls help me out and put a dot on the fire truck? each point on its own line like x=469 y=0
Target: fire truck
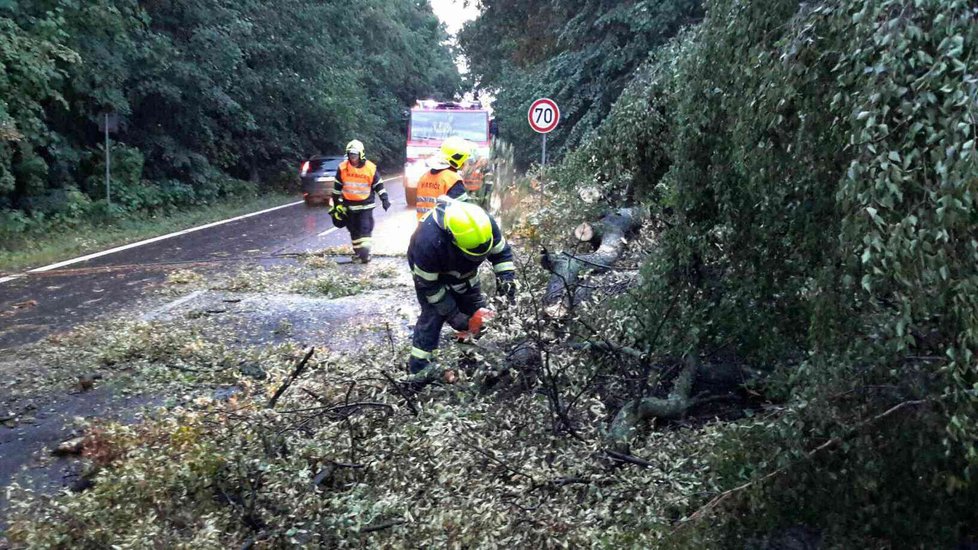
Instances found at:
x=430 y=123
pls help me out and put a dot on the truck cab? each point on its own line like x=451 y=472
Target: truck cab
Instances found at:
x=430 y=123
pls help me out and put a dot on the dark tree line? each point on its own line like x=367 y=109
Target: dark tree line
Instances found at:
x=211 y=93
x=581 y=53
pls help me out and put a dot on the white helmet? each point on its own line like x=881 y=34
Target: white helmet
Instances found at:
x=355 y=147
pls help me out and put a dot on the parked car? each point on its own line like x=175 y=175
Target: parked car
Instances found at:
x=317 y=175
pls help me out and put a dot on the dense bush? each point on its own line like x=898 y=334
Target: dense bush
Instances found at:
x=814 y=165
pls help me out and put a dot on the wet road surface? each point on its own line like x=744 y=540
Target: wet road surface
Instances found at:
x=40 y=304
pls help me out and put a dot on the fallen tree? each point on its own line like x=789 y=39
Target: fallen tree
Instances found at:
x=609 y=237
x=713 y=382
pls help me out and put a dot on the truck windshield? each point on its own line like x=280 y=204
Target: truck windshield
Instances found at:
x=438 y=125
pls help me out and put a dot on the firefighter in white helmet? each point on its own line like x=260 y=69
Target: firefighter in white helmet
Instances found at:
x=357 y=182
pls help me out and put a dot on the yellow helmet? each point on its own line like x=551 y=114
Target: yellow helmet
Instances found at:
x=356 y=147
x=456 y=151
x=468 y=224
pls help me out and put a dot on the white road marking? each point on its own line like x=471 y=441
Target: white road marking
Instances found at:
x=157 y=239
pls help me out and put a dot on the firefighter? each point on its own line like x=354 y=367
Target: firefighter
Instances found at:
x=357 y=181
x=445 y=253
x=443 y=177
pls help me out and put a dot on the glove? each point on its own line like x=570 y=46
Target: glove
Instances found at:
x=459 y=321
x=507 y=288
x=385 y=202
x=477 y=323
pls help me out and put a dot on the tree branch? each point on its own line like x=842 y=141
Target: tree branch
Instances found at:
x=301 y=366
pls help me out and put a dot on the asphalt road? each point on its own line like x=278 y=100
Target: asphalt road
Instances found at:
x=39 y=304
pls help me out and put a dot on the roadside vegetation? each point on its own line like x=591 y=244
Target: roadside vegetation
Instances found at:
x=216 y=99
x=62 y=239
x=812 y=168
x=765 y=338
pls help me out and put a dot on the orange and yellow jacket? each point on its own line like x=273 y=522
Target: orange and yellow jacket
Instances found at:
x=435 y=183
x=358 y=184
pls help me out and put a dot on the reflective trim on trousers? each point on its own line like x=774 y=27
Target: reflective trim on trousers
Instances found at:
x=436 y=297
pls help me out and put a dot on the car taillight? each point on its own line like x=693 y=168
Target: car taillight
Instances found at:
x=305 y=168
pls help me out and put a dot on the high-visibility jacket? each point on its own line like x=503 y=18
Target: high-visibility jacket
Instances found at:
x=357 y=180
x=435 y=183
x=440 y=268
x=354 y=183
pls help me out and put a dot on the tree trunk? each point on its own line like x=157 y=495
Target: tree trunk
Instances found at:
x=712 y=379
x=625 y=424
x=611 y=231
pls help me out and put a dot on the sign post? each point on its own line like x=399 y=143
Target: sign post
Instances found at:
x=543 y=117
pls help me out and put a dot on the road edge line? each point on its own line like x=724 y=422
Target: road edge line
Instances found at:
x=151 y=240
x=94 y=255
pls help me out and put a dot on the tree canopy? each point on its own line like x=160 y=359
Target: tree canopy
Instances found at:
x=210 y=93
x=580 y=53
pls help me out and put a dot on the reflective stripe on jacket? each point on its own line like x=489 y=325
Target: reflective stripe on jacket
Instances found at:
x=440 y=268
x=357 y=180
x=433 y=184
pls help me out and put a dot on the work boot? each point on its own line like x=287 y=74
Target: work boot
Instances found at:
x=362 y=256
x=416 y=365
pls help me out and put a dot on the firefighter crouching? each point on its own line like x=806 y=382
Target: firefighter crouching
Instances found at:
x=357 y=181
x=445 y=253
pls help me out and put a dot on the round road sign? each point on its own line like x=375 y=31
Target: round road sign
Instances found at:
x=543 y=115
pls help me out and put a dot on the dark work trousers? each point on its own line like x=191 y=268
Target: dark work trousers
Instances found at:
x=361 y=226
x=428 y=328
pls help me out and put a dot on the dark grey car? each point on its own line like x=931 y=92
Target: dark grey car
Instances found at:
x=317 y=175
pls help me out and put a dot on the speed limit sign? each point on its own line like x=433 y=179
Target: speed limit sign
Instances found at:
x=543 y=115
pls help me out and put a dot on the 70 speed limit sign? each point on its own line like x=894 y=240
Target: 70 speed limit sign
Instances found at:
x=543 y=115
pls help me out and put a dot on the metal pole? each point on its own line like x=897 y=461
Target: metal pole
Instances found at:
x=108 y=161
x=543 y=154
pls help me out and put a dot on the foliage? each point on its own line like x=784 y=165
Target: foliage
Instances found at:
x=211 y=93
x=813 y=170
x=581 y=53
x=341 y=460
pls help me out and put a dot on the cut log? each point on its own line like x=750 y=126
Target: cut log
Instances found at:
x=70 y=447
x=588 y=233
x=613 y=231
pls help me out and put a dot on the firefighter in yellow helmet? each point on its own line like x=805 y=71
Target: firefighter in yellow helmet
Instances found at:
x=443 y=178
x=357 y=182
x=445 y=253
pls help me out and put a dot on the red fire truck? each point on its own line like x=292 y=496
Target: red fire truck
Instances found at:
x=433 y=121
